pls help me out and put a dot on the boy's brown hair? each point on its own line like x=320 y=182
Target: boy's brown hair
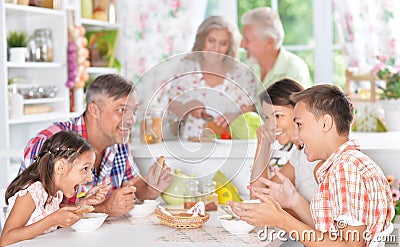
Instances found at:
x=328 y=99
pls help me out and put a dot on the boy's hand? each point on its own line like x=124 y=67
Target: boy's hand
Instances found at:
x=280 y=191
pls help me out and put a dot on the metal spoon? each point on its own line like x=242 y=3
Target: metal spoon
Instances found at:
x=83 y=195
x=139 y=201
x=227 y=209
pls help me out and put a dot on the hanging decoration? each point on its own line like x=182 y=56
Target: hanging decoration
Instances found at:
x=78 y=55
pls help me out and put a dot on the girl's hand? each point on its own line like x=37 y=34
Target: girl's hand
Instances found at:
x=65 y=216
x=265 y=135
x=99 y=194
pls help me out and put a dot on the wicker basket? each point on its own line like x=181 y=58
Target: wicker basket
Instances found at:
x=180 y=220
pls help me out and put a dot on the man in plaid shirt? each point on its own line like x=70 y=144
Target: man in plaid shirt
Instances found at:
x=106 y=123
x=353 y=203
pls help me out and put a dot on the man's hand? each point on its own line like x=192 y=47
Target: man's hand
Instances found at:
x=164 y=179
x=121 y=200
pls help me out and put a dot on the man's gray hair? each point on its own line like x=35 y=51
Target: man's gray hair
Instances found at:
x=266 y=23
x=112 y=86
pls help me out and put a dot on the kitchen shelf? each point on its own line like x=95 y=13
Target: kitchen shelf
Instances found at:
x=29 y=10
x=101 y=70
x=93 y=25
x=43 y=101
x=35 y=118
x=34 y=65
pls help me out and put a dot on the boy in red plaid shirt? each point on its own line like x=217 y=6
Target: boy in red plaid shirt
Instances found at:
x=353 y=203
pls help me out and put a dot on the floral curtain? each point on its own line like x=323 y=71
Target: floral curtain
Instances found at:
x=153 y=30
x=367 y=29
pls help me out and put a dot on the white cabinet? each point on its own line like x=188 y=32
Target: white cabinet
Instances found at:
x=14 y=133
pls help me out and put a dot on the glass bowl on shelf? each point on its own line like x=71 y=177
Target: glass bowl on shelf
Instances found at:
x=35 y=91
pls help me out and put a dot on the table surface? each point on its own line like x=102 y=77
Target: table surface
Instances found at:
x=124 y=235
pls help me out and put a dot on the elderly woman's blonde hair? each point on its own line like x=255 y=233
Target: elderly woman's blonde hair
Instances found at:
x=266 y=23
x=220 y=23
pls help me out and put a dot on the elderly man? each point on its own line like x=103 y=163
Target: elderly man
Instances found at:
x=106 y=123
x=263 y=36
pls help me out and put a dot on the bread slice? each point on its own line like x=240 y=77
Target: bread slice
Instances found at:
x=157 y=172
x=84 y=209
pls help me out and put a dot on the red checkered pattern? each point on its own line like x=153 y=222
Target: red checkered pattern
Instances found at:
x=351 y=183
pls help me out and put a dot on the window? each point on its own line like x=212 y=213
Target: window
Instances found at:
x=309 y=32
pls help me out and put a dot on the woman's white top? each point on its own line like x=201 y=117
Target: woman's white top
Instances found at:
x=305 y=182
x=237 y=90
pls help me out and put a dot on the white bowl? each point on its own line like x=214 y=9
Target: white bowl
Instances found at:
x=144 y=209
x=89 y=222
x=236 y=226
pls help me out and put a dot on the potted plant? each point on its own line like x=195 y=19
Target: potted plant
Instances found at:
x=388 y=70
x=16 y=42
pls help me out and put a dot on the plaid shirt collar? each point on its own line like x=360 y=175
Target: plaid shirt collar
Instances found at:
x=324 y=168
x=80 y=126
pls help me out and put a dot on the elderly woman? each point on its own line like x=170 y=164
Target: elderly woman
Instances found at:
x=211 y=85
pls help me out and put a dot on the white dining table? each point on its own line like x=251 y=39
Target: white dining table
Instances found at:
x=133 y=235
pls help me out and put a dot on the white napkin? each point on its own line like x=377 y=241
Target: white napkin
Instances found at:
x=163 y=210
x=197 y=209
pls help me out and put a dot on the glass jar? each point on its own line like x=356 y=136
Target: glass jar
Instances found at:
x=43 y=45
x=149 y=135
x=210 y=197
x=87 y=8
x=151 y=126
x=192 y=194
x=31 y=50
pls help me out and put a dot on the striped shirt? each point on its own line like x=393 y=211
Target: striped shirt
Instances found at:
x=116 y=166
x=351 y=184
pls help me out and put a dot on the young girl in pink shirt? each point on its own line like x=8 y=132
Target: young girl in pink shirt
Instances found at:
x=34 y=197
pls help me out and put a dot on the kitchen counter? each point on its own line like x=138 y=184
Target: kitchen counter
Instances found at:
x=235 y=159
x=383 y=148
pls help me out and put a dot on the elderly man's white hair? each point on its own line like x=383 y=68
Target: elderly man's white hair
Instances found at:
x=266 y=23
